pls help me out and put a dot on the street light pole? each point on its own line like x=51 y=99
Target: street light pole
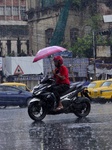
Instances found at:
x=94 y=53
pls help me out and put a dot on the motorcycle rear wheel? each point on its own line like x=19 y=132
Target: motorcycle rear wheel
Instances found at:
x=84 y=110
x=36 y=111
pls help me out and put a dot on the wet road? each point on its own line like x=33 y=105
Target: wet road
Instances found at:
x=60 y=132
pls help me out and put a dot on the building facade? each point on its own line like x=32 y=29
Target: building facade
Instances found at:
x=14 y=34
x=60 y=22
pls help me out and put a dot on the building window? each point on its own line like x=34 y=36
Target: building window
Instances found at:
x=8 y=47
x=74 y=32
x=1 y=10
x=48 y=36
x=22 y=12
x=8 y=11
x=15 y=11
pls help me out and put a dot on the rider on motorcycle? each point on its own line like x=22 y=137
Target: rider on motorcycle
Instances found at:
x=61 y=77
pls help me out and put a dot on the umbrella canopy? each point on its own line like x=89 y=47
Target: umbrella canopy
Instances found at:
x=42 y=53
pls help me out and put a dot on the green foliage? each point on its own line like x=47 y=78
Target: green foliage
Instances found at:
x=103 y=40
x=82 y=45
x=94 y=22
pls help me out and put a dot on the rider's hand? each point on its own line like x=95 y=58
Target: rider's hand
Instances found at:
x=60 y=76
x=55 y=72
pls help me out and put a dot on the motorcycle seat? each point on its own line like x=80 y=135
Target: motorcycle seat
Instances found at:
x=72 y=88
x=69 y=90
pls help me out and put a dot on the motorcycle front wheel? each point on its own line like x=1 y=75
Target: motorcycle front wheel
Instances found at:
x=83 y=110
x=36 y=111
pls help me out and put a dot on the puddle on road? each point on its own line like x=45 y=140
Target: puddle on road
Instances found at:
x=81 y=134
x=65 y=132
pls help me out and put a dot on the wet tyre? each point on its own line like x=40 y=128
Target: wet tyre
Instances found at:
x=84 y=108
x=36 y=111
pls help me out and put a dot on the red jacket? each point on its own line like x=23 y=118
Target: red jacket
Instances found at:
x=63 y=71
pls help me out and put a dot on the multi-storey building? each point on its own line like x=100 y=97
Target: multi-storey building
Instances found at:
x=61 y=22
x=58 y=22
x=14 y=37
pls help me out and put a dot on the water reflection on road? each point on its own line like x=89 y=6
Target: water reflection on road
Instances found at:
x=80 y=134
x=62 y=132
x=70 y=133
x=62 y=136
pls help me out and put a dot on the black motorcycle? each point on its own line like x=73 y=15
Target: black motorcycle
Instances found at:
x=44 y=101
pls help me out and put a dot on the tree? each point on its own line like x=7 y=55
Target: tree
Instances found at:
x=94 y=22
x=83 y=47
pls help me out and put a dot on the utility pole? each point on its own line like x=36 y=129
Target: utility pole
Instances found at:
x=94 y=53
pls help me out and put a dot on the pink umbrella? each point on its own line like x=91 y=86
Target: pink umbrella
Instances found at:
x=42 y=53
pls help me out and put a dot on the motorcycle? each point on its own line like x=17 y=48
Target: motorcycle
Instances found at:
x=44 y=102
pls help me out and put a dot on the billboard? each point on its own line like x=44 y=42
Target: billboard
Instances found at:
x=107 y=18
x=21 y=65
x=103 y=51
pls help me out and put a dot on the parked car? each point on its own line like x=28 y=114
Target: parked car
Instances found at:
x=13 y=96
x=105 y=91
x=93 y=86
x=17 y=84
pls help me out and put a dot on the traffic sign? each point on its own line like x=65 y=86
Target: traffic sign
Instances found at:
x=18 y=71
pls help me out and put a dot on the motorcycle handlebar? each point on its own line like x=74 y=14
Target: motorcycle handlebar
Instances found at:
x=47 y=80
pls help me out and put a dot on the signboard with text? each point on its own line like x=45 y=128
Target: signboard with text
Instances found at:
x=103 y=51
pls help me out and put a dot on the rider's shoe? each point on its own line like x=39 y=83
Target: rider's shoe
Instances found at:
x=59 y=108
